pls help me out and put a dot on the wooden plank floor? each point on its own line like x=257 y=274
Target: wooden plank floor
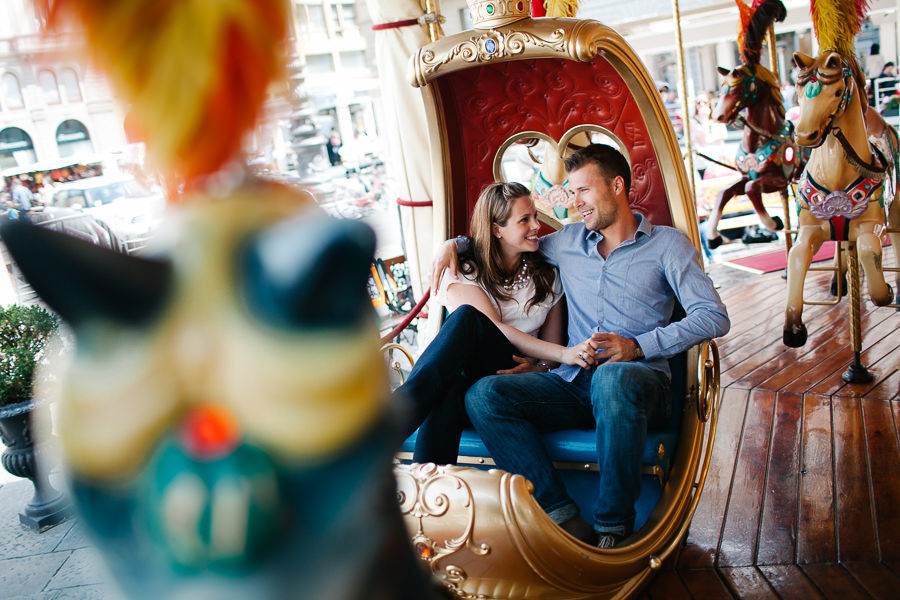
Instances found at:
x=803 y=495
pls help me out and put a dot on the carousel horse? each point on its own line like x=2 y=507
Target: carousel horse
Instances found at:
x=841 y=194
x=224 y=419
x=767 y=157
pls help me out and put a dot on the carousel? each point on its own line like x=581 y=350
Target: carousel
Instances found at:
x=223 y=413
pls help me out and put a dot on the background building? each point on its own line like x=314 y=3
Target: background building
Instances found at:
x=52 y=106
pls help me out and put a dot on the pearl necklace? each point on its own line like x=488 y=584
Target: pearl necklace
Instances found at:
x=521 y=279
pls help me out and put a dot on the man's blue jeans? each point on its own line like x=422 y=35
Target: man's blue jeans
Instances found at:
x=618 y=400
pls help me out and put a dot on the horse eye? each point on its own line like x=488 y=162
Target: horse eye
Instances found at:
x=837 y=93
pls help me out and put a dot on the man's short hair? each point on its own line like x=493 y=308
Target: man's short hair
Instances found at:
x=609 y=160
x=888 y=64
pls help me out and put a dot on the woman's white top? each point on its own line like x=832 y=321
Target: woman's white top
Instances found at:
x=512 y=311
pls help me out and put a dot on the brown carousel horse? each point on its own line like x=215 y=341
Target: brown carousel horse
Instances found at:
x=767 y=158
x=841 y=194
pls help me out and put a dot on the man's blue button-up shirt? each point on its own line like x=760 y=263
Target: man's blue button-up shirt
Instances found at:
x=632 y=292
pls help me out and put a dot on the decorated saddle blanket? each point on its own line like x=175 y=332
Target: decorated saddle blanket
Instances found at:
x=774 y=152
x=838 y=206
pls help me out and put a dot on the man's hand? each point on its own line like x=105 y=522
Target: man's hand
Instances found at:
x=444 y=258
x=525 y=365
x=616 y=348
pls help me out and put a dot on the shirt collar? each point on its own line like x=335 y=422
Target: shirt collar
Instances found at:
x=645 y=227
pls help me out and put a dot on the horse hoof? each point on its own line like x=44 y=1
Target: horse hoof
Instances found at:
x=779 y=224
x=714 y=243
x=843 y=286
x=794 y=339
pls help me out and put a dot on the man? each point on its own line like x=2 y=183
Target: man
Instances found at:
x=621 y=276
x=21 y=197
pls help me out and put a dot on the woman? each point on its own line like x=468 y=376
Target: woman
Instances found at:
x=506 y=298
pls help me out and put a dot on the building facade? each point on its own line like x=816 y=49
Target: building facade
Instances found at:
x=52 y=106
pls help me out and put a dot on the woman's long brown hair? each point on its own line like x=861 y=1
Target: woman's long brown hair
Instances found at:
x=494 y=205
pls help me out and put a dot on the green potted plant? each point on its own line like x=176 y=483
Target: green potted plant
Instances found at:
x=24 y=334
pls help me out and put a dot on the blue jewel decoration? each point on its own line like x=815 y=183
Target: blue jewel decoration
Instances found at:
x=490 y=46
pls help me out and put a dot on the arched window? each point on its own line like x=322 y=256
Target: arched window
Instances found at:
x=12 y=93
x=72 y=139
x=69 y=81
x=16 y=148
x=48 y=83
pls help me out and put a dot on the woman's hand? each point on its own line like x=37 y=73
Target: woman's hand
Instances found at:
x=581 y=355
x=444 y=258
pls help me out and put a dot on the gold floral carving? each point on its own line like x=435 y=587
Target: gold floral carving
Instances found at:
x=428 y=491
x=491 y=46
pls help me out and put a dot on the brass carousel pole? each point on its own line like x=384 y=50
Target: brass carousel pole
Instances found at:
x=432 y=14
x=773 y=62
x=857 y=372
x=682 y=85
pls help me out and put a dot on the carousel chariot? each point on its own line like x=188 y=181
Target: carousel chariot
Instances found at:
x=547 y=85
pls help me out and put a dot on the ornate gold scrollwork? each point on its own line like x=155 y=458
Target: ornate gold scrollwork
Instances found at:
x=430 y=489
x=708 y=372
x=491 y=46
x=395 y=365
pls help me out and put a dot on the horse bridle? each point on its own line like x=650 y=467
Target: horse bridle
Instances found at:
x=743 y=103
x=821 y=80
x=816 y=76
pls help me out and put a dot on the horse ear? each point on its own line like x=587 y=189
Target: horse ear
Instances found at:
x=308 y=272
x=833 y=61
x=802 y=60
x=723 y=71
x=83 y=282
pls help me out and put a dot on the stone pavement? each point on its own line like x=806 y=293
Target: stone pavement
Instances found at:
x=58 y=564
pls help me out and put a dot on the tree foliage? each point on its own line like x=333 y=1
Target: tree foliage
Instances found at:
x=24 y=332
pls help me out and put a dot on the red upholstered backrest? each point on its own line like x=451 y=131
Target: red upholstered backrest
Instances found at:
x=484 y=105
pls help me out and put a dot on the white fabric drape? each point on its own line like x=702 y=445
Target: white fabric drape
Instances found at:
x=405 y=130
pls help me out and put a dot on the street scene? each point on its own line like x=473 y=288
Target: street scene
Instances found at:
x=199 y=397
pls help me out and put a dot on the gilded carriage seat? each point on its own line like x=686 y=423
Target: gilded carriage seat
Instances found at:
x=498 y=96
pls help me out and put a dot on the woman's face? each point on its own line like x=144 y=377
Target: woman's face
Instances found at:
x=703 y=109
x=520 y=234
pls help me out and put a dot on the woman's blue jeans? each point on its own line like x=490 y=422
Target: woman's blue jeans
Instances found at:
x=468 y=347
x=618 y=400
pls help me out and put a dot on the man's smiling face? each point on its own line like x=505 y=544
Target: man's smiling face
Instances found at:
x=595 y=196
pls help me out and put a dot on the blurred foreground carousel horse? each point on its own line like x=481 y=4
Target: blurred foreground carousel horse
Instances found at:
x=223 y=419
x=848 y=185
x=767 y=158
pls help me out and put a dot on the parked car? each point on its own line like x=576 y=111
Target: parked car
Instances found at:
x=131 y=210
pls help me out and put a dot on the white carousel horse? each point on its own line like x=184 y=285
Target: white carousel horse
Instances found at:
x=841 y=193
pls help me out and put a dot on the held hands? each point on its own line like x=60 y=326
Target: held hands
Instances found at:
x=581 y=355
x=444 y=258
x=616 y=348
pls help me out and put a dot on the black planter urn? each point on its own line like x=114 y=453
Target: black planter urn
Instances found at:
x=48 y=507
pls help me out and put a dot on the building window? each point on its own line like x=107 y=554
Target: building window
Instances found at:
x=71 y=89
x=318 y=64
x=48 y=83
x=334 y=17
x=348 y=14
x=16 y=148
x=12 y=93
x=72 y=139
x=353 y=60
x=311 y=17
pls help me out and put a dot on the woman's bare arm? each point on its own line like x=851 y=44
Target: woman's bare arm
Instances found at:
x=581 y=354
